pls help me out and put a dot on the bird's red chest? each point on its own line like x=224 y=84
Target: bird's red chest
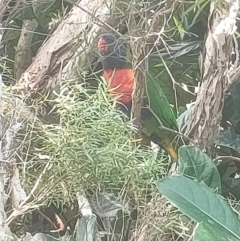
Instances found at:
x=120 y=84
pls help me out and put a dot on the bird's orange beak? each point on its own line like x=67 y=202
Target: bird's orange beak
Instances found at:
x=102 y=46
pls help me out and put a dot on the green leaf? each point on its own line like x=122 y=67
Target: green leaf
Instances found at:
x=200 y=204
x=159 y=103
x=174 y=51
x=179 y=27
x=183 y=118
x=193 y=162
x=228 y=138
x=207 y=233
x=86 y=229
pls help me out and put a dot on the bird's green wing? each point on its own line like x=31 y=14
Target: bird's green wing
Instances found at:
x=158 y=120
x=159 y=104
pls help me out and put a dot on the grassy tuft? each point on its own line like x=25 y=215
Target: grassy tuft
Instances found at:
x=92 y=147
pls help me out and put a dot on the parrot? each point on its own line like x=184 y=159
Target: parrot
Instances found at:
x=118 y=74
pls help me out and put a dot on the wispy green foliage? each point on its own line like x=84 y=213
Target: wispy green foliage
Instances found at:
x=93 y=146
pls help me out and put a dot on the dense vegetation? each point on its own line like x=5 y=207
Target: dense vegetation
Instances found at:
x=73 y=166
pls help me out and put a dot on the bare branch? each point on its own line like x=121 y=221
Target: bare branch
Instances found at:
x=234 y=158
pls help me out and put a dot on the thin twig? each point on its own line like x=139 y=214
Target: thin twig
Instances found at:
x=95 y=19
x=22 y=205
x=233 y=158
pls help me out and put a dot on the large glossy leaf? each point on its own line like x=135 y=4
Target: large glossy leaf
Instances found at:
x=159 y=103
x=193 y=162
x=207 y=233
x=200 y=204
x=228 y=138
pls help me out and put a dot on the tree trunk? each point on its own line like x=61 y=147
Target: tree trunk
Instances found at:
x=23 y=51
x=204 y=122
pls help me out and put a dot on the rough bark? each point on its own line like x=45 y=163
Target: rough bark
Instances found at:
x=204 y=123
x=23 y=51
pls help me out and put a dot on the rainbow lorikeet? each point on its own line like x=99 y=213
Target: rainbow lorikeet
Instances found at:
x=119 y=76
